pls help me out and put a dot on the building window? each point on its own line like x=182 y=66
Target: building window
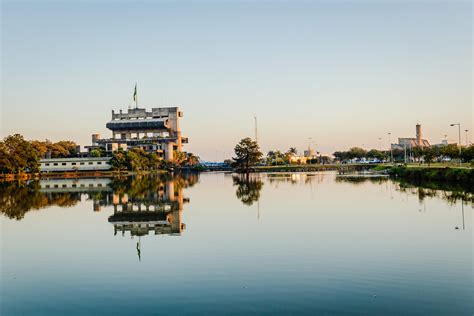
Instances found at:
x=99 y=162
x=46 y=164
x=55 y=164
x=74 y=185
x=56 y=186
x=73 y=163
x=99 y=184
x=64 y=186
x=63 y=163
x=81 y=163
x=47 y=186
x=90 y=162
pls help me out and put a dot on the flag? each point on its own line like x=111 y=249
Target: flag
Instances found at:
x=135 y=93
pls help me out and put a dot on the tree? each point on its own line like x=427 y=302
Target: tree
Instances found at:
x=429 y=154
x=467 y=154
x=247 y=154
x=119 y=160
x=18 y=155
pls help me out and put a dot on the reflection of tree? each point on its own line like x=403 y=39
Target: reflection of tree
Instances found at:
x=144 y=187
x=450 y=192
x=248 y=188
x=16 y=199
x=361 y=179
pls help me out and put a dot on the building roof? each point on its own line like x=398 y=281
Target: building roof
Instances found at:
x=75 y=159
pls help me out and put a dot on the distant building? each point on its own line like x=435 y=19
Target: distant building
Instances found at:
x=75 y=164
x=418 y=141
x=156 y=131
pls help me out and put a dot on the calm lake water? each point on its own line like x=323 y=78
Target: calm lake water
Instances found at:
x=216 y=243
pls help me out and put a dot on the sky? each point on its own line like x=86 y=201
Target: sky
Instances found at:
x=330 y=74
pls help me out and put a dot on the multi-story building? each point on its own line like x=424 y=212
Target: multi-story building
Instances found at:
x=155 y=131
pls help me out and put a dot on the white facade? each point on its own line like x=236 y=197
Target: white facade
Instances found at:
x=75 y=185
x=75 y=164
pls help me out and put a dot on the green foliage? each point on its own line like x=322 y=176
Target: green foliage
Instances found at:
x=18 y=155
x=185 y=159
x=459 y=175
x=98 y=152
x=247 y=154
x=135 y=159
x=61 y=149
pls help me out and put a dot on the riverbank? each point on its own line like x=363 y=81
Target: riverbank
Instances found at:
x=73 y=175
x=460 y=175
x=315 y=167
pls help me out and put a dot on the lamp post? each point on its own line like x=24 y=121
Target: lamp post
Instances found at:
x=459 y=134
x=467 y=141
x=380 y=143
x=390 y=144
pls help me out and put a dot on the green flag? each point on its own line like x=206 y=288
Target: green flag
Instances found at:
x=135 y=93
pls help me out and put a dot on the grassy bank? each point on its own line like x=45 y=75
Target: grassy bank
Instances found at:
x=461 y=176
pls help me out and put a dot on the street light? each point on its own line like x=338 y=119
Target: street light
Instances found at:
x=390 y=144
x=459 y=134
x=467 y=141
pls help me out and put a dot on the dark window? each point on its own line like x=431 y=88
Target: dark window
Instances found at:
x=64 y=186
x=56 y=186
x=82 y=163
x=63 y=163
x=99 y=162
x=47 y=186
x=55 y=163
x=90 y=162
x=74 y=185
x=73 y=163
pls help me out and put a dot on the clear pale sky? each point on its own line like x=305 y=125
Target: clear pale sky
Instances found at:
x=341 y=72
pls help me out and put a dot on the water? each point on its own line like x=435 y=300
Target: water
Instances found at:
x=270 y=244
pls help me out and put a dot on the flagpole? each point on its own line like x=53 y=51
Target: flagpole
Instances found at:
x=136 y=96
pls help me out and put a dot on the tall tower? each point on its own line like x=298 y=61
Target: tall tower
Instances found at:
x=418 y=135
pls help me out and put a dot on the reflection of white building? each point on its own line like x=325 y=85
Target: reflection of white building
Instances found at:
x=75 y=164
x=75 y=185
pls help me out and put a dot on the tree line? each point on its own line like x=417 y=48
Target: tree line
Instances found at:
x=18 y=155
x=425 y=154
x=248 y=154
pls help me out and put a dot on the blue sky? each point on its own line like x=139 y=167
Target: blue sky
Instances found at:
x=341 y=72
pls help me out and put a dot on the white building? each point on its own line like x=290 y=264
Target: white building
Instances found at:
x=75 y=164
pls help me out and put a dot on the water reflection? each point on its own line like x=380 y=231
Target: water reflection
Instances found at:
x=324 y=245
x=450 y=192
x=248 y=187
x=148 y=205
x=141 y=204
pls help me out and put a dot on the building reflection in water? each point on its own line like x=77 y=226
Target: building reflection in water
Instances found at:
x=157 y=211
x=141 y=205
